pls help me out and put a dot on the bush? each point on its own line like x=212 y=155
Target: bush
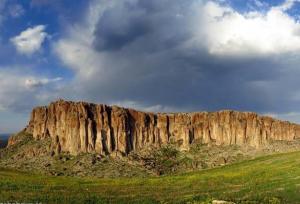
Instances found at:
x=166 y=160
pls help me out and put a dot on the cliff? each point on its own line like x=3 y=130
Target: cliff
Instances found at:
x=83 y=127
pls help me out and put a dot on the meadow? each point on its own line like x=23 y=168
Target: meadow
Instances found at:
x=270 y=179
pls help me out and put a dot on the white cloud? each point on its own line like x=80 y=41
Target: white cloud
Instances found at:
x=153 y=108
x=20 y=89
x=78 y=55
x=17 y=100
x=259 y=3
x=30 y=40
x=230 y=32
x=76 y=50
x=288 y=4
x=35 y=82
x=217 y=27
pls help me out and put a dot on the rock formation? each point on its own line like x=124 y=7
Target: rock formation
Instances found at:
x=83 y=127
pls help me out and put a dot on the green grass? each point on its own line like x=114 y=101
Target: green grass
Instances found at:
x=271 y=179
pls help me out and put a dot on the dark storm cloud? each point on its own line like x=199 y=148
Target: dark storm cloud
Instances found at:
x=148 y=56
x=115 y=30
x=157 y=24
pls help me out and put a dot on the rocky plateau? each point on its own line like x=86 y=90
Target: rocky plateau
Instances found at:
x=79 y=127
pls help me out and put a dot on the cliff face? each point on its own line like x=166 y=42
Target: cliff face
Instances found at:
x=83 y=127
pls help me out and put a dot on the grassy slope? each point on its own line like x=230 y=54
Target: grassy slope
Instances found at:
x=263 y=180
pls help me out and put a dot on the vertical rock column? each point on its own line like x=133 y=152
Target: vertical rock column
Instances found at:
x=77 y=127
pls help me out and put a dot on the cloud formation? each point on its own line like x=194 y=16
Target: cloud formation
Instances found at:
x=30 y=40
x=229 y=32
x=36 y=83
x=286 y=5
x=24 y=89
x=188 y=56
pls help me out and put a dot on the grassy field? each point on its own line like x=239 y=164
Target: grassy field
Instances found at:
x=270 y=179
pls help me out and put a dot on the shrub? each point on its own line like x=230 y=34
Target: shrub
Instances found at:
x=163 y=160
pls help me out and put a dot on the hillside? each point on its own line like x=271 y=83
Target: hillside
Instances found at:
x=28 y=154
x=270 y=179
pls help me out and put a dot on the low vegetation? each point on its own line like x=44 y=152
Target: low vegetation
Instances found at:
x=270 y=179
x=157 y=175
x=38 y=156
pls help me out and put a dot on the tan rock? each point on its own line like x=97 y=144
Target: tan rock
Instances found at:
x=221 y=202
x=83 y=127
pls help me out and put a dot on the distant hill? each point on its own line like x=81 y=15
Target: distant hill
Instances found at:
x=3 y=140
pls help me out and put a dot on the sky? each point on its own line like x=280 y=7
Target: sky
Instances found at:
x=158 y=55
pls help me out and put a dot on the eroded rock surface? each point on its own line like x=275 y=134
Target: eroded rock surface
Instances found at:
x=77 y=127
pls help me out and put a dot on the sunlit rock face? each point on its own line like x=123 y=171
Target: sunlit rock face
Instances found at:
x=77 y=127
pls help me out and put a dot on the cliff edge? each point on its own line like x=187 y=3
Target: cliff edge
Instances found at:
x=77 y=127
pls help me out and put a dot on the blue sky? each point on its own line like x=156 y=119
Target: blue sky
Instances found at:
x=191 y=55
